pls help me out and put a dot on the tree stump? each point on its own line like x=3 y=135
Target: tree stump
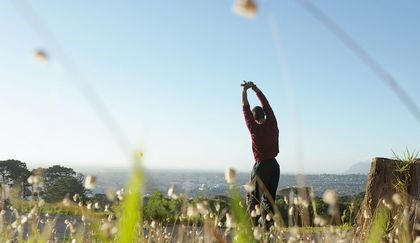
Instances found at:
x=383 y=182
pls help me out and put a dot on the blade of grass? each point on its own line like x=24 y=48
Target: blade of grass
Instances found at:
x=129 y=223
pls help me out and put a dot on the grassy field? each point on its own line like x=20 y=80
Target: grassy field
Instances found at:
x=126 y=219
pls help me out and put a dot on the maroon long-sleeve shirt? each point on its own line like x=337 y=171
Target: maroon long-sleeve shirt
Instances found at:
x=265 y=137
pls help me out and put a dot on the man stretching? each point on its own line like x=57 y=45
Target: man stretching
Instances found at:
x=262 y=125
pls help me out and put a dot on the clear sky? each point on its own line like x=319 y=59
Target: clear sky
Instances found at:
x=170 y=74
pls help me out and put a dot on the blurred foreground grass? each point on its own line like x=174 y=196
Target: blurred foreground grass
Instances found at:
x=177 y=218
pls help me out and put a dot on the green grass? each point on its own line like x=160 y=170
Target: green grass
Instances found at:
x=129 y=223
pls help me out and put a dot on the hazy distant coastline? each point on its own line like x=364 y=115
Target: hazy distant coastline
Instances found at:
x=195 y=183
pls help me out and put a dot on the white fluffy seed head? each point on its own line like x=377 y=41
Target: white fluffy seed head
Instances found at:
x=230 y=175
x=30 y=180
x=90 y=182
x=40 y=56
x=37 y=179
x=365 y=214
x=257 y=209
x=217 y=207
x=192 y=211
x=245 y=8
x=120 y=194
x=23 y=219
x=66 y=202
x=330 y=197
x=201 y=208
x=286 y=200
x=172 y=192
x=320 y=221
x=257 y=233
x=229 y=221
x=41 y=202
x=249 y=187
x=291 y=211
x=396 y=198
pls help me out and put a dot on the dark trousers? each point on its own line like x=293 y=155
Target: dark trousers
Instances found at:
x=265 y=176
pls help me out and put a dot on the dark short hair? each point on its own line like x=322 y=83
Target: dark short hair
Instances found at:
x=258 y=112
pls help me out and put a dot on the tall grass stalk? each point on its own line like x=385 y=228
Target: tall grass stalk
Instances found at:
x=129 y=222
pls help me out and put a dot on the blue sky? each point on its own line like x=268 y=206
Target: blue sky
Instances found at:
x=170 y=74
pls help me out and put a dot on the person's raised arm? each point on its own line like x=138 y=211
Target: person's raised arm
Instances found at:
x=245 y=86
x=249 y=119
x=264 y=103
x=245 y=97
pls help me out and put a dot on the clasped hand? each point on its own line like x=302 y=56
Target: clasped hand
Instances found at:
x=246 y=85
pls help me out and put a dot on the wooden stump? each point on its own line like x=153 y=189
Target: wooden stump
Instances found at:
x=381 y=185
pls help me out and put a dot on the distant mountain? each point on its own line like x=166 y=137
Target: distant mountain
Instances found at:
x=359 y=168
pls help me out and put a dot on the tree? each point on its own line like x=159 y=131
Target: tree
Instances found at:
x=60 y=181
x=54 y=173
x=14 y=173
x=61 y=187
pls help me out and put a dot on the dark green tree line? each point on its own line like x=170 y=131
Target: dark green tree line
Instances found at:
x=14 y=173
x=56 y=181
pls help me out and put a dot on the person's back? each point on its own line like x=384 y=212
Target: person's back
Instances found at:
x=265 y=140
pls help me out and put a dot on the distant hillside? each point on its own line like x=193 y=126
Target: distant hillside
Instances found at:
x=359 y=168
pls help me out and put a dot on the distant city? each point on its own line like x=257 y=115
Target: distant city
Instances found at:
x=210 y=184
